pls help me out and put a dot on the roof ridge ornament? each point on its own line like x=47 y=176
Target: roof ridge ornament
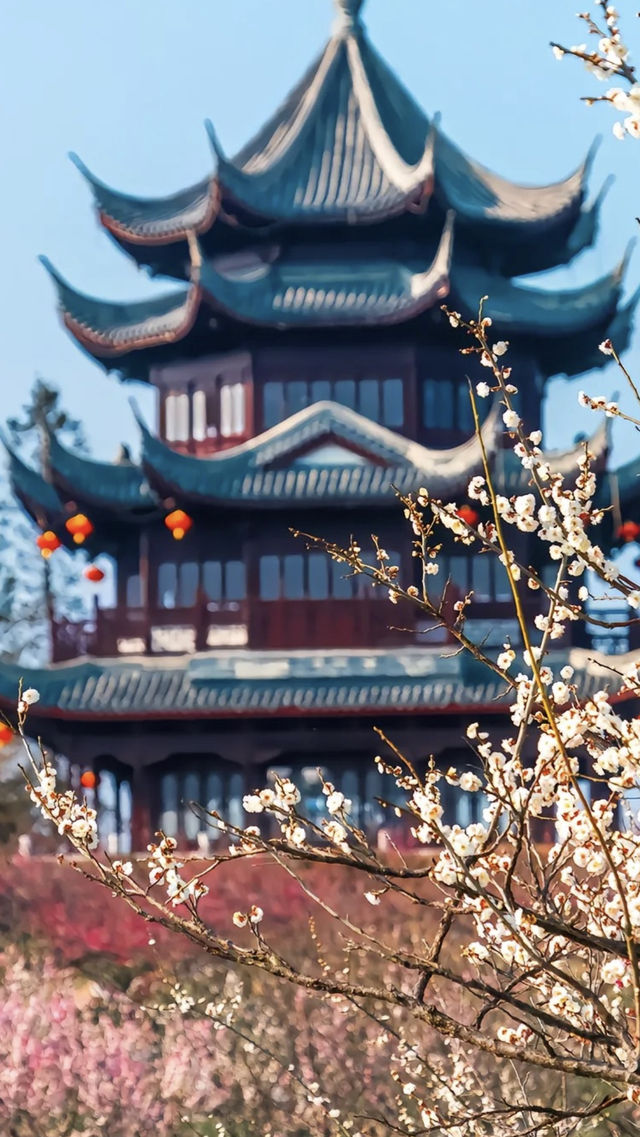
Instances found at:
x=348 y=16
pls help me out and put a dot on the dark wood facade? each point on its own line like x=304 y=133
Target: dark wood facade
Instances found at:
x=421 y=392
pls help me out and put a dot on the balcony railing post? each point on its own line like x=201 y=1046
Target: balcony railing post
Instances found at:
x=634 y=632
x=54 y=645
x=97 y=646
x=144 y=570
x=200 y=613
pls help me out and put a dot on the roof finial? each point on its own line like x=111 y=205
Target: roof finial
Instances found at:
x=349 y=15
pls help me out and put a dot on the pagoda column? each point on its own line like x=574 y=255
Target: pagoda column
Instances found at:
x=144 y=570
x=142 y=798
x=50 y=612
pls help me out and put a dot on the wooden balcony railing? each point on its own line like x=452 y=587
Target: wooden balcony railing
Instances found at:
x=621 y=636
x=287 y=625
x=261 y=625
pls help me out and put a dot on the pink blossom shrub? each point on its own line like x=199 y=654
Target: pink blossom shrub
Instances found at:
x=73 y=1060
x=44 y=900
x=76 y=1058
x=92 y=1042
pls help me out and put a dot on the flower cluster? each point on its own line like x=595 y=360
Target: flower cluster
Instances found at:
x=280 y=803
x=164 y=868
x=252 y=918
x=74 y=819
x=606 y=59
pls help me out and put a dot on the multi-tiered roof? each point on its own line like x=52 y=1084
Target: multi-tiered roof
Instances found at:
x=285 y=466
x=350 y=209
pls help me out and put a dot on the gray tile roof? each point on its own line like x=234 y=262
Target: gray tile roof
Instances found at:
x=349 y=143
x=270 y=683
x=252 y=683
x=120 y=485
x=290 y=293
x=279 y=467
x=265 y=468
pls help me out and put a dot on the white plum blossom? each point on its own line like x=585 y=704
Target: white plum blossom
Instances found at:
x=73 y=819
x=614 y=971
x=164 y=868
x=337 y=834
x=511 y=419
x=288 y=794
x=296 y=835
x=26 y=700
x=338 y=803
x=506 y=658
x=477 y=490
x=469 y=782
x=561 y=693
x=124 y=868
x=252 y=803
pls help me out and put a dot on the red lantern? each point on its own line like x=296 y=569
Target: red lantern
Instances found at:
x=94 y=574
x=88 y=780
x=6 y=734
x=628 y=531
x=79 y=527
x=468 y=514
x=178 y=523
x=47 y=543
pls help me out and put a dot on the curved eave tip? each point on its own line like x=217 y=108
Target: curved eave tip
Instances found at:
x=631 y=304
x=4 y=442
x=139 y=417
x=81 y=167
x=96 y=185
x=624 y=263
x=591 y=155
x=603 y=191
x=17 y=466
x=617 y=274
x=56 y=276
x=214 y=140
x=432 y=137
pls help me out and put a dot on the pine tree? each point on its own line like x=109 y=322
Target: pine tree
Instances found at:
x=28 y=583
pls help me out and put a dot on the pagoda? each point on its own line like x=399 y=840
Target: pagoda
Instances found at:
x=304 y=371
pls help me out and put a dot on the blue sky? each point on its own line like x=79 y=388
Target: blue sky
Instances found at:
x=128 y=84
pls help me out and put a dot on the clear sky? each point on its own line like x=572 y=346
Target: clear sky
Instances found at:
x=128 y=83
